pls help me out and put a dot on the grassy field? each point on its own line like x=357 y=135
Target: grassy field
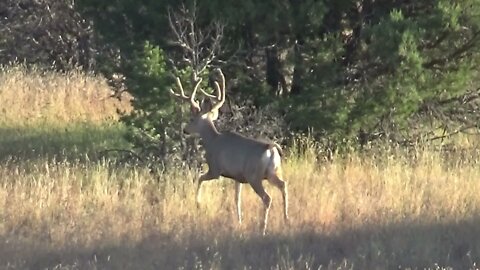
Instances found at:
x=47 y=114
x=58 y=210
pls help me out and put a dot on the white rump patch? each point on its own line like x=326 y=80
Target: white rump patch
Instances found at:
x=266 y=156
x=272 y=159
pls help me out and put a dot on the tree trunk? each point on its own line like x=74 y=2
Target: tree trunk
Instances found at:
x=274 y=72
x=271 y=72
x=298 y=71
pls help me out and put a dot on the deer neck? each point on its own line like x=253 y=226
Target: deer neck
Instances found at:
x=208 y=132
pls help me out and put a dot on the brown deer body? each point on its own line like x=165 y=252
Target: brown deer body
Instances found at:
x=234 y=156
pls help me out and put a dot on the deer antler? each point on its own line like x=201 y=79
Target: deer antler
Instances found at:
x=184 y=97
x=220 y=90
x=218 y=97
x=209 y=95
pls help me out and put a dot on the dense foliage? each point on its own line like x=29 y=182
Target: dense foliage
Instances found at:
x=46 y=33
x=347 y=71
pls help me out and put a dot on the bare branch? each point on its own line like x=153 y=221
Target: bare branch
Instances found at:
x=459 y=52
x=199 y=47
x=456 y=131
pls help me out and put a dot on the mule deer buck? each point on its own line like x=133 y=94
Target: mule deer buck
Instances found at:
x=232 y=155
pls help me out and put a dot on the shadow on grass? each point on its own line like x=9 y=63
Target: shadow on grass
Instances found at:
x=74 y=141
x=399 y=246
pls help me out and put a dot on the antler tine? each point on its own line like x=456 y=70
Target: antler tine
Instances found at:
x=207 y=94
x=217 y=97
x=192 y=97
x=182 y=95
x=220 y=90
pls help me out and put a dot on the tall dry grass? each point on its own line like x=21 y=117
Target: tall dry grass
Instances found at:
x=345 y=214
x=47 y=113
x=30 y=96
x=390 y=209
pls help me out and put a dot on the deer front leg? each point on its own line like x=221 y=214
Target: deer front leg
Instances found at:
x=238 y=200
x=204 y=177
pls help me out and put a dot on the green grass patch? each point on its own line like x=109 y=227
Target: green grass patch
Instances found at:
x=65 y=141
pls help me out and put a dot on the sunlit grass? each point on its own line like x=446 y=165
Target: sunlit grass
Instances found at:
x=387 y=208
x=47 y=114
x=355 y=212
x=33 y=97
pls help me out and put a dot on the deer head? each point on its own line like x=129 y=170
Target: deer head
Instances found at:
x=202 y=114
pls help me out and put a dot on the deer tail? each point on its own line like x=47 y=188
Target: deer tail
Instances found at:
x=278 y=147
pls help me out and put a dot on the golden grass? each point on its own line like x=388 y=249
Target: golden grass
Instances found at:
x=370 y=210
x=343 y=214
x=32 y=96
x=51 y=114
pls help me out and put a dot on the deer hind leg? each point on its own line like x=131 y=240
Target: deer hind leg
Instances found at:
x=238 y=200
x=267 y=201
x=282 y=185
